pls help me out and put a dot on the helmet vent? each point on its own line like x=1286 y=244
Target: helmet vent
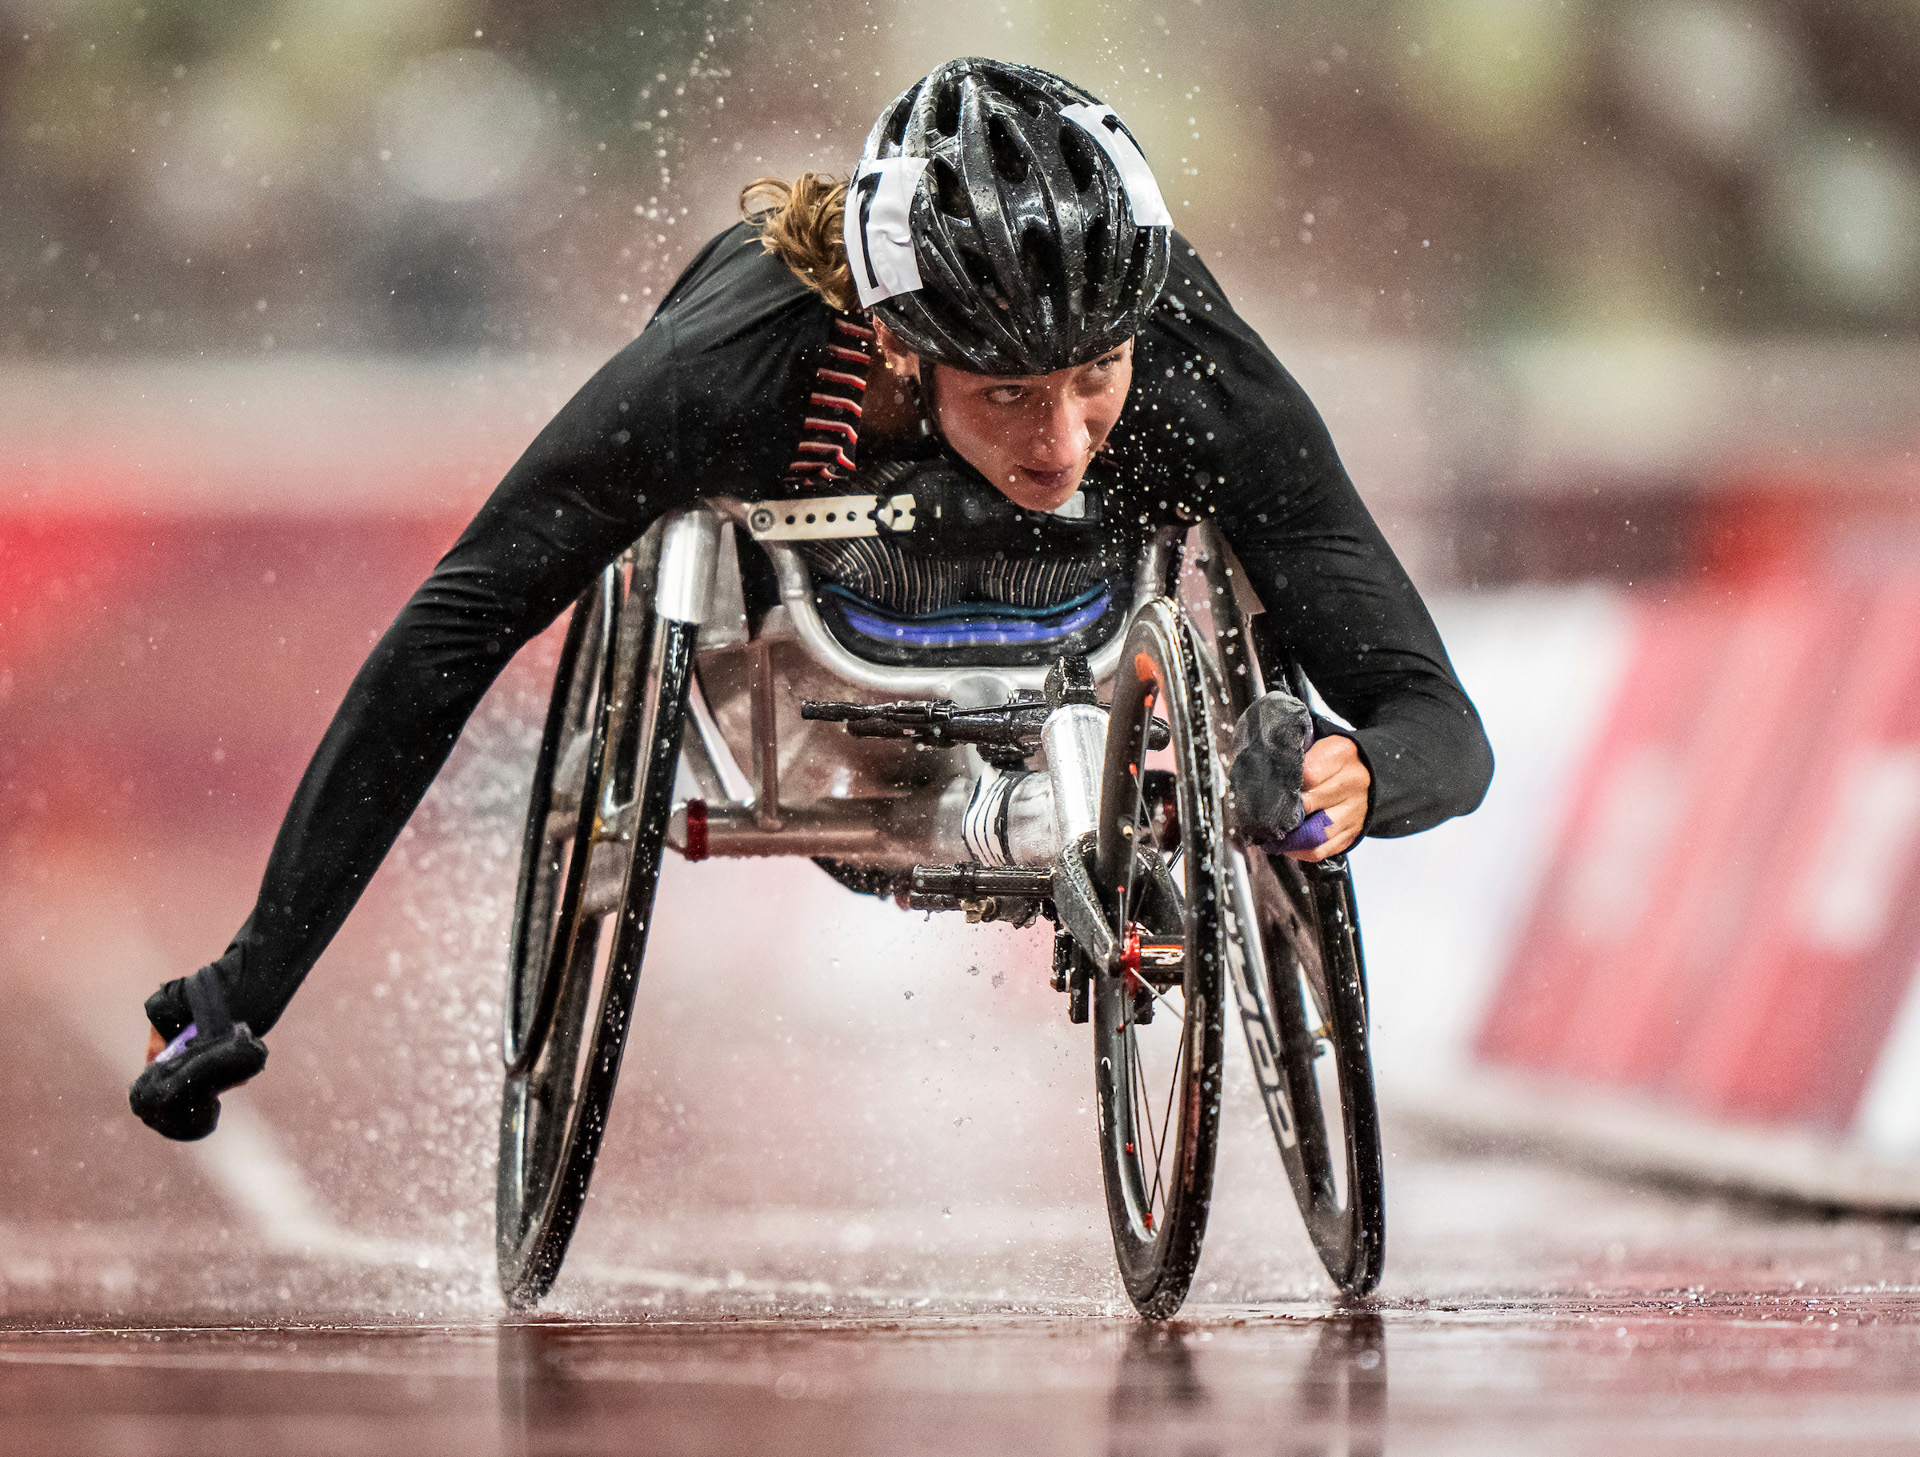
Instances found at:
x=949 y=192
x=1010 y=159
x=1099 y=252
x=1139 y=263
x=946 y=109
x=1077 y=151
x=1039 y=256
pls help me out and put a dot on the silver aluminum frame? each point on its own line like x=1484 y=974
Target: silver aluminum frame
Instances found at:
x=743 y=813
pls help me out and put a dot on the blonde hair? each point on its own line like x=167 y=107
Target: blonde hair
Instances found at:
x=800 y=224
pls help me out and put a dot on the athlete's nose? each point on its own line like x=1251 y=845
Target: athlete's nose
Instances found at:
x=1062 y=439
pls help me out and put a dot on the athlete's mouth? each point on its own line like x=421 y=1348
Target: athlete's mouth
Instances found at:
x=1048 y=480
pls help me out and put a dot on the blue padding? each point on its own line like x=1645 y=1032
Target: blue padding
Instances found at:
x=976 y=624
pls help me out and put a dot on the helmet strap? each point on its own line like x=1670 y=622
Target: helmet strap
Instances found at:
x=929 y=410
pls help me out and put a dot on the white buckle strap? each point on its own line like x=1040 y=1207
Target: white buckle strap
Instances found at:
x=827 y=518
x=984 y=824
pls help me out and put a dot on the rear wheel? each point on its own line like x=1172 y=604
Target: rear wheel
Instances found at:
x=1158 y=1017
x=1303 y=1003
x=596 y=827
x=1300 y=980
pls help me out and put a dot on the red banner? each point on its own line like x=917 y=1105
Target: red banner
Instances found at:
x=1661 y=864
x=1796 y=1019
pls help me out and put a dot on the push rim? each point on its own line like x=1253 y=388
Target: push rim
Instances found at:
x=554 y=1113
x=556 y=847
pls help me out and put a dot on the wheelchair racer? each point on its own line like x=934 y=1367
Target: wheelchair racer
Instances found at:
x=997 y=307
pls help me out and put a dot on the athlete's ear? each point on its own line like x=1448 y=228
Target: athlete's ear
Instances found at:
x=900 y=359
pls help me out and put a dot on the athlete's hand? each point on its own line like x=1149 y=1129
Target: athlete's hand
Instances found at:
x=1336 y=783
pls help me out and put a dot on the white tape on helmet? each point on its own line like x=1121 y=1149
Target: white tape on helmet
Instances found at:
x=1143 y=193
x=878 y=235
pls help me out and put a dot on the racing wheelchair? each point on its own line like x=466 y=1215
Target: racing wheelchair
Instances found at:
x=679 y=719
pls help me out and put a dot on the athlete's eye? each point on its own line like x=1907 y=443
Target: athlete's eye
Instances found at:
x=1098 y=379
x=1007 y=394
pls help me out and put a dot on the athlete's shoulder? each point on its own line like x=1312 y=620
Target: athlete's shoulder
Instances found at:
x=1197 y=339
x=1193 y=303
x=1211 y=403
x=731 y=334
x=719 y=372
x=733 y=287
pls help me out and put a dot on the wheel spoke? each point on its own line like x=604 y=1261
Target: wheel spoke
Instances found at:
x=1137 y=1086
x=1153 y=1194
x=1141 y=1097
x=1143 y=1115
x=1138 y=839
x=1161 y=997
x=1166 y=1117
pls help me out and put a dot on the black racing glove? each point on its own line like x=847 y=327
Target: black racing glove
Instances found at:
x=1270 y=744
x=179 y=1093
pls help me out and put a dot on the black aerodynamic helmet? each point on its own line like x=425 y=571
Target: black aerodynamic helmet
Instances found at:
x=1004 y=222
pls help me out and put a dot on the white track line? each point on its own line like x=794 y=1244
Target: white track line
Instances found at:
x=244 y=1160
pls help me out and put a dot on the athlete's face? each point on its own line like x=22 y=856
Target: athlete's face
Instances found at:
x=1032 y=435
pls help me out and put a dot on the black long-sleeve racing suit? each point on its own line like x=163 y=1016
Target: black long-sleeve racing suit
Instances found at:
x=713 y=396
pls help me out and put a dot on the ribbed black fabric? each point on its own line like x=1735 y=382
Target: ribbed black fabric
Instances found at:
x=887 y=571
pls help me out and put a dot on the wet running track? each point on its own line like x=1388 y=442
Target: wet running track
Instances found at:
x=1641 y=1362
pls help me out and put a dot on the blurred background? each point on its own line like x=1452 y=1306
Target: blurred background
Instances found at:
x=1614 y=310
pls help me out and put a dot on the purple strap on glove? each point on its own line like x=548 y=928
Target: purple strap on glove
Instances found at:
x=178 y=1093
x=179 y=1044
x=1309 y=834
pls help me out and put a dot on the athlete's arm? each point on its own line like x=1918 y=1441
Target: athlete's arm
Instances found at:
x=711 y=384
x=566 y=508
x=1340 y=603
x=1336 y=597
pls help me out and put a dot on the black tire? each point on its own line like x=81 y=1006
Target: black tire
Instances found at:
x=1157 y=1035
x=1303 y=1003
x=596 y=827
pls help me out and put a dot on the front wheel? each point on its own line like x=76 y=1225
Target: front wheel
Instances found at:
x=1158 y=1016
